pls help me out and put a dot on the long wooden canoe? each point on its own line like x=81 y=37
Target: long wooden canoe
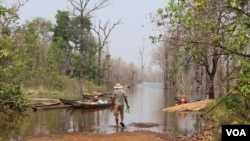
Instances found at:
x=51 y=107
x=90 y=105
x=41 y=102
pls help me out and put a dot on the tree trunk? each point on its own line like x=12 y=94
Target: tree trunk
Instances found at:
x=99 y=66
x=211 y=87
x=212 y=74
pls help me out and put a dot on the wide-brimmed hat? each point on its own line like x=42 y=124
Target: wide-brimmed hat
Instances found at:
x=118 y=86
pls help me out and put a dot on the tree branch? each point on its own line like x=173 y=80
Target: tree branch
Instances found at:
x=81 y=6
x=104 y=31
x=217 y=45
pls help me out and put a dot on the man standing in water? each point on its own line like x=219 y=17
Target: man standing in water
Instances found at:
x=118 y=97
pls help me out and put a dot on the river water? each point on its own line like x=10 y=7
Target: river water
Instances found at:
x=146 y=101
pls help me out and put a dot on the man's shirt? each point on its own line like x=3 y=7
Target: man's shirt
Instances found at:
x=119 y=96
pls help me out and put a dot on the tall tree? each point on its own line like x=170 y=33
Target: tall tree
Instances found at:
x=103 y=33
x=142 y=62
x=67 y=31
x=33 y=40
x=11 y=95
x=210 y=32
x=82 y=10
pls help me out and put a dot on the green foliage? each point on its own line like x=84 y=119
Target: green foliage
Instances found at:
x=8 y=16
x=62 y=29
x=56 y=55
x=234 y=3
x=11 y=97
x=206 y=38
x=153 y=39
x=230 y=111
x=242 y=86
x=222 y=115
x=91 y=87
x=200 y=4
x=8 y=11
x=234 y=104
x=32 y=57
x=4 y=54
x=74 y=48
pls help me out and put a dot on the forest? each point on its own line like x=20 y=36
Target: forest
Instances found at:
x=69 y=57
x=205 y=46
x=203 y=50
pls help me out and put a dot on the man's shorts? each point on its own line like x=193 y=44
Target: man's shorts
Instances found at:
x=119 y=109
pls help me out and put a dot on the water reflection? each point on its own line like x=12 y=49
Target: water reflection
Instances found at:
x=146 y=100
x=187 y=122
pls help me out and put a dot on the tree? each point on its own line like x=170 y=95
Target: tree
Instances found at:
x=103 y=33
x=80 y=8
x=209 y=32
x=122 y=72
x=142 y=63
x=166 y=57
x=32 y=43
x=61 y=41
x=11 y=95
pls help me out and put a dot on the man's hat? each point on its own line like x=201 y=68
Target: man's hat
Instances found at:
x=118 y=86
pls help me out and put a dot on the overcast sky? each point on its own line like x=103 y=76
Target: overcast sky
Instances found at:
x=126 y=39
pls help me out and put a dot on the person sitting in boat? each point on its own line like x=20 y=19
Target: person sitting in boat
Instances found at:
x=96 y=98
x=180 y=99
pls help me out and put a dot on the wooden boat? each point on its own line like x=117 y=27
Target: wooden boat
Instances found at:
x=51 y=107
x=68 y=101
x=90 y=104
x=42 y=102
x=198 y=98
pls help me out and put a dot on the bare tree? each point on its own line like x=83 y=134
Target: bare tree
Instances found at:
x=122 y=72
x=142 y=62
x=81 y=6
x=103 y=33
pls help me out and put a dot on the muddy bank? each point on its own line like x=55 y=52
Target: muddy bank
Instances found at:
x=205 y=135
x=123 y=136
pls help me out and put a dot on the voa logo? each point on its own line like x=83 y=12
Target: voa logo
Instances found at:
x=236 y=132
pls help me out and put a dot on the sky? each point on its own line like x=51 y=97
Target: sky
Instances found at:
x=125 y=39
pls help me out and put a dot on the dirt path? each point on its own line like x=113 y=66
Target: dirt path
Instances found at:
x=205 y=135
x=124 y=136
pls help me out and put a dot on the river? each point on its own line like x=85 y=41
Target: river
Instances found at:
x=146 y=101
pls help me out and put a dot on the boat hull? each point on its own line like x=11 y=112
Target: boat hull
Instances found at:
x=90 y=105
x=67 y=101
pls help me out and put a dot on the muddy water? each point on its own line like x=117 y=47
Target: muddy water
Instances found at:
x=146 y=100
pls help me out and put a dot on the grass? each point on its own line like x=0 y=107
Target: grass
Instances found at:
x=221 y=115
x=70 y=90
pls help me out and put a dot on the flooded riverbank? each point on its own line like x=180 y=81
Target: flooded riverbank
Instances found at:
x=146 y=101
